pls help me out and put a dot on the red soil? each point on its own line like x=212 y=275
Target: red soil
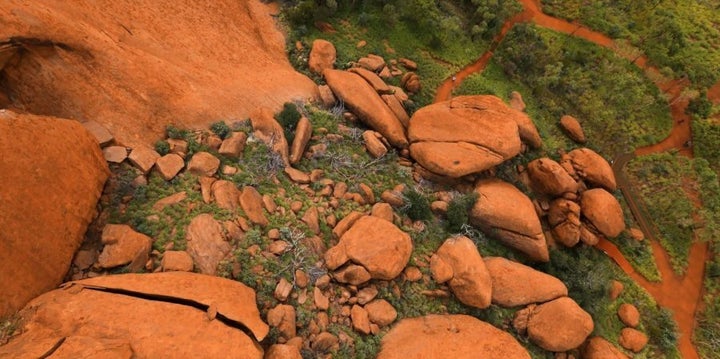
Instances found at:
x=681 y=294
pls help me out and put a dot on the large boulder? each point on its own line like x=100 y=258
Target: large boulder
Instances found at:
x=564 y=219
x=322 y=56
x=365 y=102
x=515 y=284
x=559 y=325
x=599 y=348
x=508 y=214
x=449 y=336
x=135 y=69
x=548 y=177
x=468 y=278
x=160 y=315
x=603 y=211
x=593 y=168
x=464 y=135
x=52 y=173
x=374 y=243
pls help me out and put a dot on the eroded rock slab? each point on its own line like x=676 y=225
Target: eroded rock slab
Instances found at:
x=515 y=284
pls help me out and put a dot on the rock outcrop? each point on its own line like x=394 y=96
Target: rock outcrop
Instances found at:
x=135 y=69
x=52 y=174
x=603 y=211
x=467 y=276
x=429 y=337
x=465 y=135
x=515 y=284
x=504 y=212
x=142 y=315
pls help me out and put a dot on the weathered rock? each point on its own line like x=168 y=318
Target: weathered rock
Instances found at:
x=373 y=144
x=90 y=318
x=303 y=132
x=397 y=108
x=326 y=96
x=283 y=318
x=408 y=64
x=325 y=342
x=360 y=97
x=572 y=128
x=351 y=274
x=470 y=280
x=516 y=101
x=206 y=188
x=346 y=222
x=559 y=325
x=283 y=351
x=311 y=219
x=101 y=134
x=203 y=164
x=234 y=145
x=548 y=177
x=564 y=218
x=506 y=213
x=515 y=284
x=252 y=205
x=206 y=243
x=629 y=315
x=52 y=173
x=372 y=79
x=177 y=261
x=636 y=234
x=122 y=246
x=381 y=312
x=143 y=158
x=429 y=337
x=169 y=166
x=360 y=319
x=603 y=210
x=410 y=82
x=296 y=175
x=465 y=135
x=599 y=348
x=633 y=339
x=170 y=200
x=376 y=244
x=115 y=154
x=178 y=147
x=282 y=290
x=616 y=289
x=383 y=210
x=322 y=56
x=267 y=129
x=593 y=168
x=372 y=62
x=225 y=194
x=587 y=236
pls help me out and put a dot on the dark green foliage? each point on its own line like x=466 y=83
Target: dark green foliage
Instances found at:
x=221 y=129
x=417 y=206
x=457 y=213
x=288 y=118
x=661 y=327
x=175 y=133
x=706 y=141
x=162 y=147
x=699 y=107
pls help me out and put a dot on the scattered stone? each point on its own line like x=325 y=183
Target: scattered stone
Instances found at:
x=572 y=128
x=372 y=79
x=283 y=351
x=393 y=198
x=559 y=325
x=381 y=312
x=360 y=319
x=633 y=339
x=322 y=56
x=373 y=144
x=143 y=158
x=408 y=64
x=636 y=234
x=616 y=288
x=297 y=176
x=429 y=337
x=325 y=343
x=282 y=290
x=267 y=129
x=326 y=96
x=599 y=348
x=178 y=147
x=234 y=145
x=206 y=187
x=410 y=82
x=177 y=261
x=346 y=222
x=303 y=132
x=206 y=243
x=225 y=194
x=629 y=315
x=516 y=101
x=564 y=218
x=352 y=274
x=283 y=318
x=372 y=62
x=115 y=154
x=169 y=201
x=470 y=280
x=412 y=274
x=101 y=134
x=203 y=164
x=311 y=219
x=213 y=142
x=122 y=246
x=603 y=210
x=321 y=301
x=509 y=215
x=361 y=44
x=593 y=168
x=515 y=284
x=383 y=210
x=548 y=177
x=169 y=166
x=252 y=204
x=366 y=295
x=397 y=108
x=367 y=193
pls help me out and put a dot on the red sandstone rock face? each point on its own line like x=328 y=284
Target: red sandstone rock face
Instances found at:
x=136 y=67
x=603 y=210
x=52 y=173
x=449 y=336
x=507 y=214
x=97 y=323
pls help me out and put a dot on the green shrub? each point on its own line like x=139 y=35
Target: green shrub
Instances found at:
x=288 y=119
x=221 y=129
x=457 y=213
x=175 y=133
x=162 y=147
x=417 y=206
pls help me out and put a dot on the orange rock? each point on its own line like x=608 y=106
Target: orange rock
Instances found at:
x=225 y=194
x=203 y=164
x=548 y=177
x=599 y=348
x=564 y=218
x=322 y=56
x=629 y=315
x=122 y=245
x=593 y=168
x=411 y=82
x=615 y=289
x=267 y=129
x=515 y=284
x=169 y=166
x=374 y=80
x=252 y=205
x=283 y=318
x=352 y=274
x=143 y=158
x=303 y=132
x=572 y=128
x=559 y=325
x=360 y=319
x=373 y=144
x=311 y=219
x=603 y=210
x=234 y=145
x=283 y=351
x=346 y=222
x=470 y=280
x=177 y=261
x=428 y=338
x=206 y=243
x=516 y=101
x=397 y=108
x=381 y=312
x=633 y=339
x=115 y=154
x=383 y=210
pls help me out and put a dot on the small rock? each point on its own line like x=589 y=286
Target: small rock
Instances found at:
x=383 y=210
x=374 y=146
x=326 y=96
x=203 y=164
x=599 y=348
x=101 y=134
x=616 y=288
x=169 y=201
x=381 y=312
x=629 y=315
x=297 y=176
x=115 y=154
x=283 y=318
x=303 y=132
x=321 y=301
x=412 y=274
x=366 y=295
x=206 y=243
x=633 y=339
x=143 y=158
x=122 y=245
x=169 y=166
x=352 y=274
x=408 y=64
x=177 y=261
x=572 y=128
x=282 y=290
x=311 y=219
x=360 y=319
x=325 y=343
x=283 y=351
x=516 y=101
x=470 y=281
x=322 y=56
x=252 y=204
x=226 y=195
x=234 y=145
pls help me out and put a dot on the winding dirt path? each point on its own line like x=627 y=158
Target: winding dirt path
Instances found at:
x=681 y=294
